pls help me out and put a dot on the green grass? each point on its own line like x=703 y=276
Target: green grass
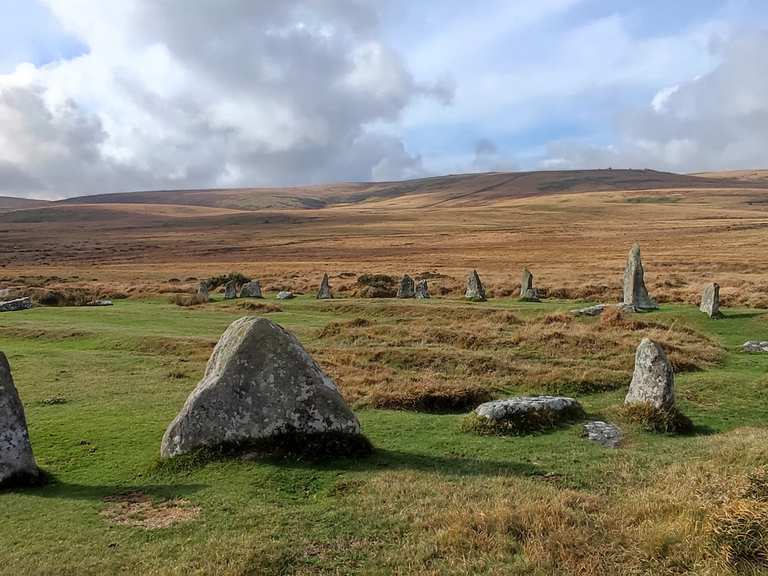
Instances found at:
x=101 y=384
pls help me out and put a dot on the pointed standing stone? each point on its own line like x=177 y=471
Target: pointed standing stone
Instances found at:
x=251 y=289
x=475 y=290
x=653 y=381
x=710 y=300
x=635 y=292
x=260 y=383
x=325 y=289
x=17 y=464
x=406 y=289
x=527 y=291
x=202 y=291
x=230 y=290
x=422 y=289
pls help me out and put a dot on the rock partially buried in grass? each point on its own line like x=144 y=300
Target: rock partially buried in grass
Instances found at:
x=635 y=292
x=263 y=391
x=603 y=433
x=755 y=346
x=522 y=415
x=285 y=295
x=595 y=310
x=251 y=289
x=17 y=464
x=16 y=305
x=475 y=290
x=710 y=300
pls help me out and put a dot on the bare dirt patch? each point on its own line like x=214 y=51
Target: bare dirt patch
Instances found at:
x=139 y=510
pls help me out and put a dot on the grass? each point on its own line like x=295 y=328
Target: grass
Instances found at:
x=430 y=499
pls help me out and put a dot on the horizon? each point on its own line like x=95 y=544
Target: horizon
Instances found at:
x=305 y=93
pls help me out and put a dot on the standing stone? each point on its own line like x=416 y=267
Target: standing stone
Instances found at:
x=527 y=291
x=259 y=383
x=475 y=290
x=635 y=292
x=324 y=293
x=710 y=300
x=17 y=464
x=202 y=291
x=422 y=289
x=15 y=305
x=406 y=289
x=653 y=381
x=251 y=289
x=230 y=290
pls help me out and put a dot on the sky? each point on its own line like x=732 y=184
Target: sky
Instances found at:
x=104 y=96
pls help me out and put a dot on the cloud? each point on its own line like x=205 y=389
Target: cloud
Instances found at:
x=717 y=120
x=184 y=94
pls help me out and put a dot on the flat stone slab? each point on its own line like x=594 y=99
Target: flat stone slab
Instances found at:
x=603 y=433
x=285 y=295
x=595 y=310
x=15 y=305
x=100 y=303
x=755 y=346
x=512 y=407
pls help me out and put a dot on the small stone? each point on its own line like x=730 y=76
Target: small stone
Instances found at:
x=755 y=346
x=653 y=381
x=475 y=290
x=202 y=291
x=710 y=300
x=101 y=302
x=422 y=289
x=260 y=383
x=527 y=292
x=635 y=292
x=595 y=310
x=15 y=305
x=251 y=289
x=17 y=464
x=406 y=288
x=285 y=295
x=603 y=433
x=230 y=290
x=324 y=293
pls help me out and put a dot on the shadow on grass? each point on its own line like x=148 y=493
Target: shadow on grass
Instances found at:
x=738 y=315
x=68 y=491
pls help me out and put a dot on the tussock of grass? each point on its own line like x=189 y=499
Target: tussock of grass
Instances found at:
x=739 y=534
x=262 y=307
x=757 y=486
x=653 y=419
x=187 y=299
x=429 y=394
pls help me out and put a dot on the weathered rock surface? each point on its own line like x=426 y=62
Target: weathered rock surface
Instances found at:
x=251 y=289
x=406 y=288
x=15 y=305
x=230 y=290
x=422 y=289
x=755 y=346
x=710 y=300
x=603 y=433
x=522 y=415
x=17 y=464
x=202 y=291
x=285 y=295
x=527 y=291
x=475 y=290
x=595 y=310
x=653 y=381
x=101 y=302
x=259 y=383
x=635 y=292
x=324 y=293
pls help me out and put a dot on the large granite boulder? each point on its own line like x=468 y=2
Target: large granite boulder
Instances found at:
x=635 y=292
x=422 y=289
x=710 y=300
x=527 y=292
x=475 y=290
x=407 y=288
x=653 y=381
x=324 y=293
x=251 y=289
x=15 y=305
x=230 y=290
x=202 y=291
x=17 y=464
x=260 y=384
x=522 y=415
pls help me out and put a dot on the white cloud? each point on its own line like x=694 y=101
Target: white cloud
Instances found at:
x=176 y=94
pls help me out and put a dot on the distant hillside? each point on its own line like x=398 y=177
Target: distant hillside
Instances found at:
x=453 y=190
x=9 y=203
x=759 y=176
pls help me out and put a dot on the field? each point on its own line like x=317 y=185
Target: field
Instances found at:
x=100 y=385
